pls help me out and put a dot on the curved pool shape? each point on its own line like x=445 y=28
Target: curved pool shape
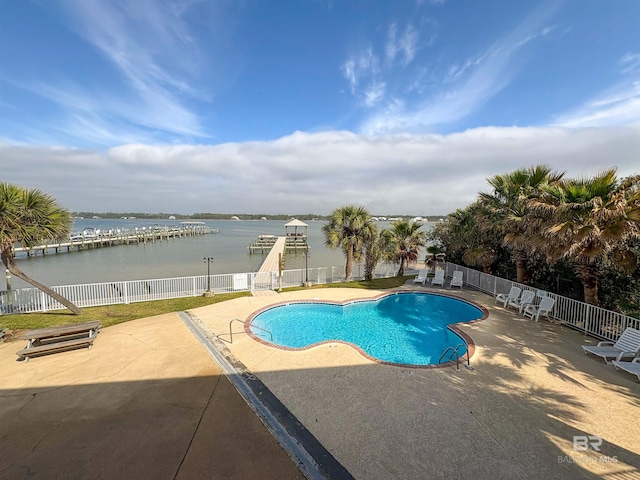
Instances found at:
x=407 y=328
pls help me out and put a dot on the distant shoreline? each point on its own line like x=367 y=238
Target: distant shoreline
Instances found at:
x=225 y=216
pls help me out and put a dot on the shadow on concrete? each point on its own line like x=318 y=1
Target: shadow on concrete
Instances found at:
x=182 y=428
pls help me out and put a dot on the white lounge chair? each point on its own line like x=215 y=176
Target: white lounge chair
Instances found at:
x=456 y=279
x=628 y=345
x=507 y=297
x=536 y=311
x=422 y=276
x=438 y=278
x=633 y=367
x=525 y=299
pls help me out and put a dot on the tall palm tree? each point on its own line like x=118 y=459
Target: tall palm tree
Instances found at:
x=31 y=218
x=406 y=238
x=587 y=220
x=348 y=228
x=507 y=205
x=376 y=248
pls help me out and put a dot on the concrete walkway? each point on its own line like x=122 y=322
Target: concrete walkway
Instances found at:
x=146 y=402
x=514 y=416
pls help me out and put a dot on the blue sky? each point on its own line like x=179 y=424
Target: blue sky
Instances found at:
x=296 y=106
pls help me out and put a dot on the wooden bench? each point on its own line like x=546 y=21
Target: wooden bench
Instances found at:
x=58 y=339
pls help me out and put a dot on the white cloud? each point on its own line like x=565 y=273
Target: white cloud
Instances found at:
x=369 y=73
x=374 y=93
x=313 y=172
x=466 y=86
x=156 y=63
x=630 y=63
x=617 y=105
x=406 y=45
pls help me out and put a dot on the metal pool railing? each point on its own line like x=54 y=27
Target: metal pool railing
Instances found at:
x=590 y=319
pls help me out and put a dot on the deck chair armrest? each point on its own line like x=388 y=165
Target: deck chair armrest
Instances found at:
x=636 y=360
x=605 y=344
x=622 y=355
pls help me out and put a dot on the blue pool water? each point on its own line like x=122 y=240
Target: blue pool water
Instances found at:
x=405 y=327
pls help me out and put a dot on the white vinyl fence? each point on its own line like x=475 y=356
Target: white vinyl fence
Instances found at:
x=29 y=300
x=592 y=320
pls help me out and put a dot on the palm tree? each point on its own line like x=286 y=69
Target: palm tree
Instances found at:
x=507 y=205
x=587 y=220
x=31 y=218
x=474 y=235
x=406 y=238
x=348 y=228
x=376 y=248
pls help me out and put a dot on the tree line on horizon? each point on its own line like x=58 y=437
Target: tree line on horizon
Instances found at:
x=224 y=216
x=539 y=227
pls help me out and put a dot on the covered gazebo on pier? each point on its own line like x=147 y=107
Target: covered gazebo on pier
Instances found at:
x=296 y=233
x=291 y=228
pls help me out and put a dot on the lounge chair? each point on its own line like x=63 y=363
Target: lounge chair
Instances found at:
x=438 y=279
x=422 y=276
x=628 y=345
x=633 y=367
x=456 y=280
x=525 y=299
x=536 y=311
x=507 y=297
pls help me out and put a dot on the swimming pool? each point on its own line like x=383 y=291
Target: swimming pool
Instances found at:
x=404 y=328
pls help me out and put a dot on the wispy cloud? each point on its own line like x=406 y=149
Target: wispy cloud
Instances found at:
x=465 y=86
x=364 y=65
x=155 y=65
x=617 y=105
x=374 y=93
x=403 y=45
x=630 y=63
x=368 y=71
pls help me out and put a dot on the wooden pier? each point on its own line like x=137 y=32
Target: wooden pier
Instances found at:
x=111 y=238
x=294 y=239
x=271 y=264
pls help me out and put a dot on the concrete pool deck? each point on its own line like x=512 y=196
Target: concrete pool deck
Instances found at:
x=147 y=401
x=514 y=415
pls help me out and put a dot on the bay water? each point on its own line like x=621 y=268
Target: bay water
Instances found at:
x=176 y=257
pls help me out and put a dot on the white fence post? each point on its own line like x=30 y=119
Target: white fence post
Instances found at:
x=43 y=302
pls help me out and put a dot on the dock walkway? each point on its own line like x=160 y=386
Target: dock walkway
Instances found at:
x=263 y=279
x=112 y=238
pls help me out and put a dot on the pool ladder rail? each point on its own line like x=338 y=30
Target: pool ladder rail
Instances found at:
x=244 y=323
x=454 y=351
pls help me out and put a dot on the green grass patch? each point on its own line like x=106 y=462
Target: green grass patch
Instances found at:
x=112 y=314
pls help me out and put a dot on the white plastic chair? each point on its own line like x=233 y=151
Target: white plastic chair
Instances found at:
x=422 y=276
x=521 y=303
x=632 y=367
x=535 y=311
x=456 y=279
x=438 y=279
x=628 y=345
x=513 y=294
